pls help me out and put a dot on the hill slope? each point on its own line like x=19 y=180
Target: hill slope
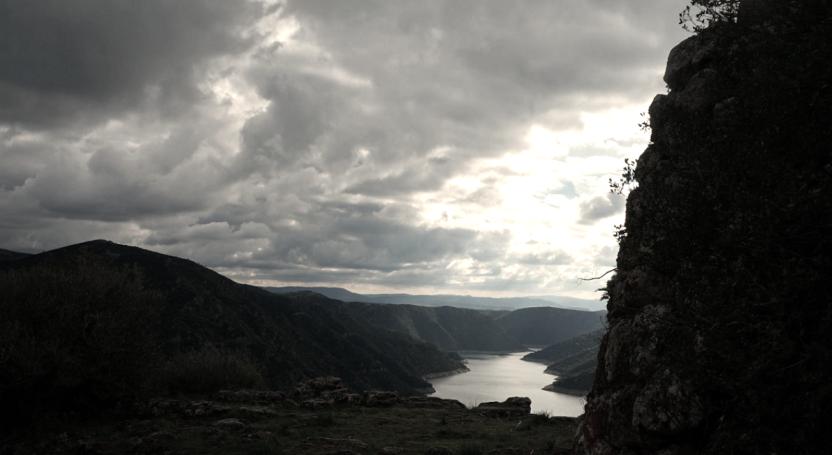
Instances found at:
x=567 y=348
x=449 y=328
x=546 y=326
x=7 y=255
x=573 y=361
x=101 y=321
x=460 y=329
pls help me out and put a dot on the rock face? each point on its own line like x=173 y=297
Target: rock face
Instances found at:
x=719 y=315
x=512 y=407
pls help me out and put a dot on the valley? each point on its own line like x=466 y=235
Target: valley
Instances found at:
x=100 y=327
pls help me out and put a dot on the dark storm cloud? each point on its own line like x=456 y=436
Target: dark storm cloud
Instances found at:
x=185 y=126
x=601 y=207
x=428 y=175
x=63 y=61
x=466 y=75
x=365 y=237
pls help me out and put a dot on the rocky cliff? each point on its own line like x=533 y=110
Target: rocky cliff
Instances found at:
x=719 y=314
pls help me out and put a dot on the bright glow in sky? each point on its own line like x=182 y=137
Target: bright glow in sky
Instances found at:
x=430 y=147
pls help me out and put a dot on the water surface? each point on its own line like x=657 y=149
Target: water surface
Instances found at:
x=495 y=377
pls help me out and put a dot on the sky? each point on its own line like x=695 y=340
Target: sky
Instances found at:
x=457 y=146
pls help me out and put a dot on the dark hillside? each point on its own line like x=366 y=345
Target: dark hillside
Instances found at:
x=449 y=328
x=463 y=329
x=6 y=255
x=567 y=348
x=546 y=325
x=99 y=322
x=341 y=294
x=573 y=361
x=720 y=313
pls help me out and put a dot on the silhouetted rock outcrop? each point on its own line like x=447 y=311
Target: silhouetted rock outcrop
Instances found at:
x=511 y=407
x=719 y=315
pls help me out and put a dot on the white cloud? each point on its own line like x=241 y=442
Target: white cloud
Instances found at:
x=459 y=146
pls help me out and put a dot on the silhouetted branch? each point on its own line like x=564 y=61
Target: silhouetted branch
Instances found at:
x=601 y=276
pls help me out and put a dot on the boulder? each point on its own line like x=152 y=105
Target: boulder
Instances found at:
x=381 y=398
x=686 y=59
x=315 y=387
x=699 y=93
x=667 y=405
x=512 y=407
x=432 y=402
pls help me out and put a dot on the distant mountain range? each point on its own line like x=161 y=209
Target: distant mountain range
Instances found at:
x=100 y=322
x=464 y=329
x=449 y=328
x=459 y=301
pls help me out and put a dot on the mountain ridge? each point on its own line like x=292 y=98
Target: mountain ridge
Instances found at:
x=465 y=329
x=121 y=317
x=459 y=301
x=9 y=255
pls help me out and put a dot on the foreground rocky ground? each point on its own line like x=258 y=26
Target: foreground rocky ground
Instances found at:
x=318 y=417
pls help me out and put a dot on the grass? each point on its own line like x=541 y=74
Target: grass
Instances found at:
x=303 y=431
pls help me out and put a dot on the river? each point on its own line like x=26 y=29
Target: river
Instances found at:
x=495 y=377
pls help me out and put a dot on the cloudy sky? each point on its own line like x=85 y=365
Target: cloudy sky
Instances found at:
x=419 y=146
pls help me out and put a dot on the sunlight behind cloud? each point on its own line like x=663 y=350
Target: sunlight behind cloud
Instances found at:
x=538 y=193
x=445 y=146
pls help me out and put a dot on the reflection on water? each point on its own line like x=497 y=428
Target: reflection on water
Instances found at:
x=497 y=377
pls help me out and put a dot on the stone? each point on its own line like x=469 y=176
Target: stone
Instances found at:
x=686 y=59
x=699 y=93
x=381 y=398
x=432 y=402
x=615 y=356
x=319 y=384
x=667 y=405
x=511 y=407
x=726 y=113
x=657 y=110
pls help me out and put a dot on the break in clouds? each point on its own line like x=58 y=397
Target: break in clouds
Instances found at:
x=432 y=146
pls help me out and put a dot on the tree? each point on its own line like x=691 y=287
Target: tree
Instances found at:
x=702 y=14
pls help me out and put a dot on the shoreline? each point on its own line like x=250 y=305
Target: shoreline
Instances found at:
x=540 y=361
x=442 y=374
x=463 y=353
x=565 y=390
